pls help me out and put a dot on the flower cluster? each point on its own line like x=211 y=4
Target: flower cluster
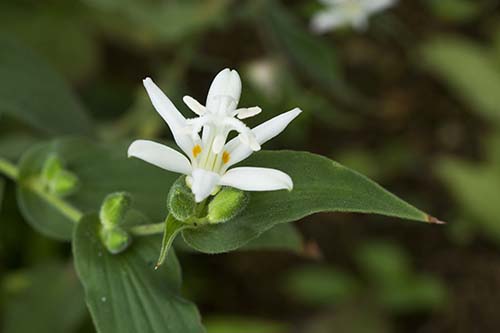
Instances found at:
x=209 y=155
x=347 y=12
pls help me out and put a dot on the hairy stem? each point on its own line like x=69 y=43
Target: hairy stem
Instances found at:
x=148 y=229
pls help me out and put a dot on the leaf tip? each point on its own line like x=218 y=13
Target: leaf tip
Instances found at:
x=433 y=220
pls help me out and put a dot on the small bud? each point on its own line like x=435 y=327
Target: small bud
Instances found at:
x=56 y=179
x=114 y=208
x=181 y=203
x=64 y=184
x=116 y=240
x=228 y=203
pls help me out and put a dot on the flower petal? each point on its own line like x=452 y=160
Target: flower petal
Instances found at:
x=225 y=84
x=257 y=179
x=174 y=119
x=373 y=6
x=194 y=105
x=328 y=20
x=203 y=183
x=248 y=112
x=160 y=155
x=263 y=133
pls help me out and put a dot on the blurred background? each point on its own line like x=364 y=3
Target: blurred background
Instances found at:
x=413 y=102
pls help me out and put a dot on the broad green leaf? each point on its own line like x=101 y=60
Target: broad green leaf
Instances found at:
x=124 y=293
x=33 y=93
x=101 y=170
x=320 y=184
x=231 y=324
x=12 y=146
x=468 y=69
x=45 y=299
x=309 y=53
x=282 y=237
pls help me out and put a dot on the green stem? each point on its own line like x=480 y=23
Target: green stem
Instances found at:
x=8 y=169
x=62 y=206
x=148 y=229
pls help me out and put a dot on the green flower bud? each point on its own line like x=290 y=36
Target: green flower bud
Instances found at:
x=180 y=201
x=64 y=184
x=228 y=203
x=116 y=240
x=114 y=208
x=56 y=179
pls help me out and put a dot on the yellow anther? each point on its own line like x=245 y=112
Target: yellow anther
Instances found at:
x=225 y=157
x=196 y=150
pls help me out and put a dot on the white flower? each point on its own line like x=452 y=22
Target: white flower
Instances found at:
x=347 y=12
x=210 y=156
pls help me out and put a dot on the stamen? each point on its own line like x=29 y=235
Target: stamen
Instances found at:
x=196 y=150
x=226 y=157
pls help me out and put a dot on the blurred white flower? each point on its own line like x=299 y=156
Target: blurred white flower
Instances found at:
x=340 y=13
x=209 y=155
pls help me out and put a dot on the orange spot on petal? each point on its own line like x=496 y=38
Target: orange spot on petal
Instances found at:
x=196 y=150
x=225 y=157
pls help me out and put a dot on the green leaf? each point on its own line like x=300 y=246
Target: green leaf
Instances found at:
x=44 y=299
x=469 y=71
x=320 y=184
x=101 y=170
x=172 y=229
x=124 y=293
x=12 y=146
x=33 y=93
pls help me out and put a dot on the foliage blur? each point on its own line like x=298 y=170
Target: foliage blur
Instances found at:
x=413 y=102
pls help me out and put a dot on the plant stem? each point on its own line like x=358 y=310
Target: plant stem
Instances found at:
x=8 y=169
x=148 y=229
x=62 y=206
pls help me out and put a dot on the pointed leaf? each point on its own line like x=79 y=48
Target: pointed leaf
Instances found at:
x=172 y=229
x=124 y=293
x=320 y=185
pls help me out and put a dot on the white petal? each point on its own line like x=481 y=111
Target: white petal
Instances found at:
x=327 y=20
x=218 y=144
x=194 y=105
x=257 y=179
x=373 y=6
x=203 y=183
x=263 y=133
x=174 y=119
x=160 y=155
x=226 y=84
x=248 y=112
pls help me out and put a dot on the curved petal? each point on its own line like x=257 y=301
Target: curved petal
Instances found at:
x=328 y=20
x=225 y=84
x=203 y=183
x=377 y=5
x=160 y=155
x=263 y=133
x=174 y=119
x=257 y=179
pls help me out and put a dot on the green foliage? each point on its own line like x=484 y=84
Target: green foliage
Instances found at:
x=114 y=209
x=319 y=185
x=318 y=285
x=153 y=23
x=124 y=293
x=55 y=179
x=33 y=93
x=469 y=70
x=46 y=299
x=172 y=229
x=281 y=237
x=110 y=171
x=455 y=10
x=395 y=284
